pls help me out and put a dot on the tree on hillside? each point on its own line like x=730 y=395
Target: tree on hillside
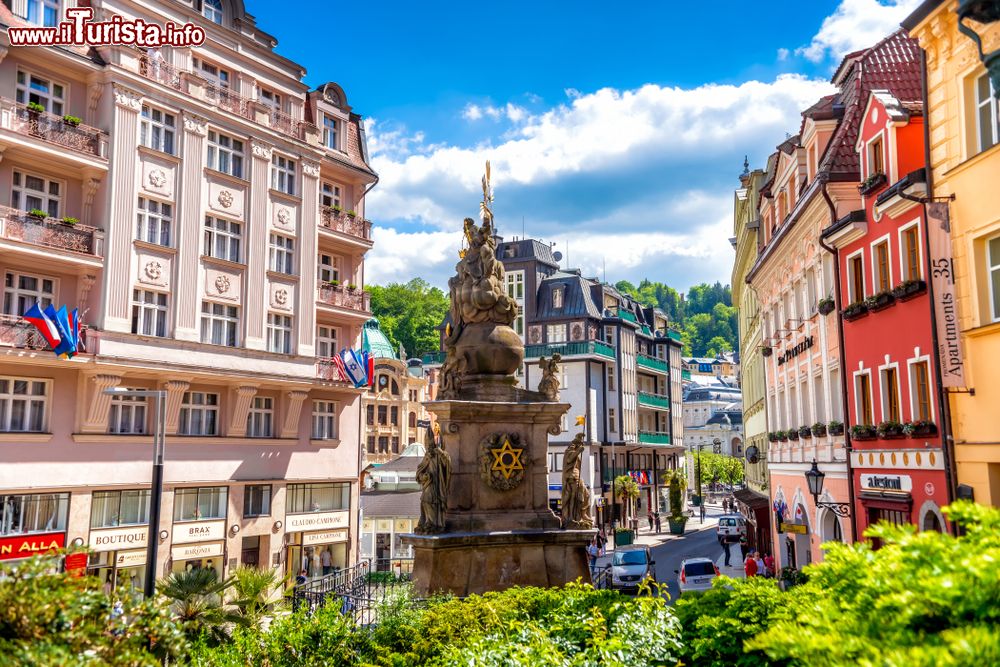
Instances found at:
x=410 y=314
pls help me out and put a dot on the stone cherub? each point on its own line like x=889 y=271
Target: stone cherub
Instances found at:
x=575 y=494
x=548 y=386
x=434 y=477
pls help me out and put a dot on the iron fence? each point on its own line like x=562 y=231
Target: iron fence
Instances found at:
x=363 y=592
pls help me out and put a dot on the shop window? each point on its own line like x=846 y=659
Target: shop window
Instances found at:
x=33 y=513
x=200 y=503
x=320 y=497
x=109 y=509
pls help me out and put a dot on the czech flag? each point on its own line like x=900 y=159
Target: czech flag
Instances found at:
x=45 y=325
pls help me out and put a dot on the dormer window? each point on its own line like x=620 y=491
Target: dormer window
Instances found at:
x=330 y=132
x=875 y=162
x=557 y=297
x=210 y=9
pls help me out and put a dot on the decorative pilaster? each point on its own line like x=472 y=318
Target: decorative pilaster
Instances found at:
x=242 y=397
x=121 y=210
x=83 y=287
x=175 y=395
x=97 y=414
x=293 y=408
x=189 y=231
x=256 y=279
x=308 y=231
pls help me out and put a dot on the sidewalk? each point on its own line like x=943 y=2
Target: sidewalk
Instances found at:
x=734 y=572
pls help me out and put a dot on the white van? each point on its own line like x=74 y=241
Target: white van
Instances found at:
x=731 y=524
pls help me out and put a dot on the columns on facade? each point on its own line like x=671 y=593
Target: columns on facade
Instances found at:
x=242 y=396
x=121 y=212
x=255 y=286
x=293 y=408
x=308 y=230
x=175 y=395
x=96 y=419
x=189 y=230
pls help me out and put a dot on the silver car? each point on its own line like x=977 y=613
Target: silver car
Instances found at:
x=630 y=566
x=696 y=574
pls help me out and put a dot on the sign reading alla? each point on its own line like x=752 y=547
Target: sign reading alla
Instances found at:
x=192 y=551
x=945 y=295
x=897 y=483
x=113 y=539
x=324 y=537
x=793 y=352
x=316 y=520
x=27 y=546
x=199 y=531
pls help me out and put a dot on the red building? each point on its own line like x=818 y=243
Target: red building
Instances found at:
x=898 y=460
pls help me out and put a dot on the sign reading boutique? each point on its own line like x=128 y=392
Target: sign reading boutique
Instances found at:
x=114 y=539
x=316 y=521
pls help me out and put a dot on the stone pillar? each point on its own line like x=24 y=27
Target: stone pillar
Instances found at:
x=116 y=296
x=255 y=286
x=308 y=230
x=175 y=395
x=96 y=420
x=242 y=397
x=187 y=304
x=293 y=409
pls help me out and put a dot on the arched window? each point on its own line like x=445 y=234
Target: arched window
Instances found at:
x=212 y=10
x=931 y=522
x=395 y=388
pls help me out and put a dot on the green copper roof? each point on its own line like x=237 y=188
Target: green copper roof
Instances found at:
x=375 y=342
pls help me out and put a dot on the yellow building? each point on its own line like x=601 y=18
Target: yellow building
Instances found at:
x=964 y=140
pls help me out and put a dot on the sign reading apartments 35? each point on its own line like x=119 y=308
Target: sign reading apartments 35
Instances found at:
x=79 y=30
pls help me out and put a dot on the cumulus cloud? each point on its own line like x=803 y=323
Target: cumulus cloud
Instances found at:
x=856 y=24
x=783 y=54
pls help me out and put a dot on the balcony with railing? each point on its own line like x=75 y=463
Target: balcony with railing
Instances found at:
x=50 y=128
x=19 y=333
x=339 y=296
x=654 y=438
x=579 y=348
x=343 y=223
x=651 y=363
x=655 y=401
x=328 y=370
x=50 y=232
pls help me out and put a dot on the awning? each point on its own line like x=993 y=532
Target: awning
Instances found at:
x=752 y=499
x=889 y=501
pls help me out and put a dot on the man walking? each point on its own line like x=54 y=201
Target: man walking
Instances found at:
x=656 y=519
x=726 y=545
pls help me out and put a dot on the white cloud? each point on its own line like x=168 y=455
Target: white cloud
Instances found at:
x=856 y=24
x=783 y=54
x=472 y=112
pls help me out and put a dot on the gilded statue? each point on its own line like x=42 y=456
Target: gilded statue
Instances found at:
x=548 y=386
x=575 y=494
x=434 y=477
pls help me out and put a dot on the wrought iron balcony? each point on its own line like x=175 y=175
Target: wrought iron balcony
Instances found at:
x=342 y=297
x=161 y=72
x=51 y=128
x=654 y=438
x=18 y=333
x=351 y=225
x=652 y=363
x=328 y=370
x=50 y=232
x=569 y=349
x=658 y=401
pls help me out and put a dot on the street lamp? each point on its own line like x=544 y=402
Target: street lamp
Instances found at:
x=984 y=12
x=156 y=488
x=814 y=478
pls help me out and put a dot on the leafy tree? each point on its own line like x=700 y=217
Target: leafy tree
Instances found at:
x=627 y=489
x=410 y=314
x=195 y=599
x=718 y=468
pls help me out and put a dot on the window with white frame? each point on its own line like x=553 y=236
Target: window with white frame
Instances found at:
x=223 y=238
x=220 y=324
x=127 y=415
x=212 y=10
x=213 y=73
x=515 y=290
x=225 y=154
x=611 y=378
x=863 y=398
x=609 y=335
x=199 y=414
x=23 y=403
x=153 y=221
x=811 y=291
x=31 y=192
x=42 y=12
x=326 y=341
x=329 y=194
x=269 y=98
x=261 y=417
x=32 y=88
x=909 y=252
x=330 y=132
x=993 y=268
x=156 y=129
x=324 y=420
x=987 y=114
x=281 y=251
x=920 y=391
x=21 y=291
x=881 y=267
x=889 y=379
x=555 y=333
x=149 y=313
x=279 y=333
x=110 y=509
x=282 y=174
x=856 y=278
x=327 y=268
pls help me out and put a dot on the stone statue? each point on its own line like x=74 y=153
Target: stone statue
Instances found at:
x=479 y=339
x=575 y=494
x=434 y=477
x=549 y=384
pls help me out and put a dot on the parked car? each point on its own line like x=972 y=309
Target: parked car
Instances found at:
x=696 y=574
x=630 y=566
x=731 y=525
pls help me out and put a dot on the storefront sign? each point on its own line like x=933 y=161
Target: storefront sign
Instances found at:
x=315 y=520
x=192 y=551
x=897 y=483
x=792 y=528
x=793 y=352
x=26 y=546
x=199 y=531
x=945 y=295
x=324 y=537
x=76 y=564
x=130 y=558
x=112 y=539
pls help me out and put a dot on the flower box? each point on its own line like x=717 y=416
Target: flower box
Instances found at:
x=819 y=429
x=863 y=432
x=872 y=183
x=805 y=432
x=909 y=289
x=889 y=430
x=835 y=428
x=623 y=537
x=772 y=437
x=677 y=525
x=793 y=435
x=880 y=301
x=855 y=310
x=920 y=429
x=826 y=306
x=766 y=351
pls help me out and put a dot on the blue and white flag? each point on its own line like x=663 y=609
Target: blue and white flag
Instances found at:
x=355 y=367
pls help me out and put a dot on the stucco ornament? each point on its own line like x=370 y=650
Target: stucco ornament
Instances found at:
x=284 y=217
x=225 y=199
x=502 y=459
x=157 y=178
x=222 y=284
x=281 y=297
x=153 y=270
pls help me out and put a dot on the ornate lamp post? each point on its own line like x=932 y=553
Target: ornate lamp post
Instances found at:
x=983 y=12
x=814 y=478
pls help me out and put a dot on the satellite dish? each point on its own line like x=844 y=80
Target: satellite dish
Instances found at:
x=557 y=255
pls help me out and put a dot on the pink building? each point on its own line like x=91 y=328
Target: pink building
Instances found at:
x=219 y=255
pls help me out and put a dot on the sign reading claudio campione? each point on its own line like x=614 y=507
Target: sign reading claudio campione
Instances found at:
x=945 y=295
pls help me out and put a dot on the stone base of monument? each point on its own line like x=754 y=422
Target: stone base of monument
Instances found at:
x=467 y=563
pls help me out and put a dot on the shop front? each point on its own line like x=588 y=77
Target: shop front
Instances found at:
x=198 y=545
x=319 y=553
x=317 y=529
x=32 y=524
x=756 y=507
x=118 y=557
x=23 y=547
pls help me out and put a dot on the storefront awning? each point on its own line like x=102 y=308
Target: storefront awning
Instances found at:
x=752 y=499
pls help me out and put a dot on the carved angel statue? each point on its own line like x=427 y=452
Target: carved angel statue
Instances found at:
x=575 y=494
x=548 y=386
x=434 y=477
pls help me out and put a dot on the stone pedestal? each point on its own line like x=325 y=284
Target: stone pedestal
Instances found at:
x=499 y=530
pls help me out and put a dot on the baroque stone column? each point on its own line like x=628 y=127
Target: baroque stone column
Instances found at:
x=116 y=296
x=255 y=287
x=242 y=397
x=189 y=231
x=308 y=230
x=96 y=420
x=293 y=408
x=175 y=396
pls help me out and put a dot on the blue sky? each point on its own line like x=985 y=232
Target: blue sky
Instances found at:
x=616 y=129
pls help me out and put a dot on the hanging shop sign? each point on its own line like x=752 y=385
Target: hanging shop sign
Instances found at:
x=797 y=528
x=113 y=539
x=316 y=520
x=26 y=546
x=945 y=295
x=793 y=352
x=192 y=551
x=199 y=531
x=324 y=537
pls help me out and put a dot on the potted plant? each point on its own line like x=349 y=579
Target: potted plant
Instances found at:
x=34 y=108
x=826 y=306
x=38 y=214
x=351 y=287
x=678 y=484
x=69 y=220
x=352 y=214
x=908 y=289
x=805 y=432
x=919 y=428
x=889 y=430
x=793 y=434
x=334 y=283
x=863 y=432
x=623 y=536
x=627 y=489
x=789 y=577
x=782 y=435
x=835 y=427
x=871 y=183
x=72 y=121
x=766 y=350
x=772 y=436
x=337 y=208
x=880 y=301
x=818 y=429
x=856 y=310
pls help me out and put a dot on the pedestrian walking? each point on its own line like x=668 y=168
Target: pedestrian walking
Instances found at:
x=702 y=510
x=750 y=566
x=727 y=545
x=743 y=546
x=769 y=565
x=759 y=560
x=593 y=551
x=649 y=517
x=656 y=518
